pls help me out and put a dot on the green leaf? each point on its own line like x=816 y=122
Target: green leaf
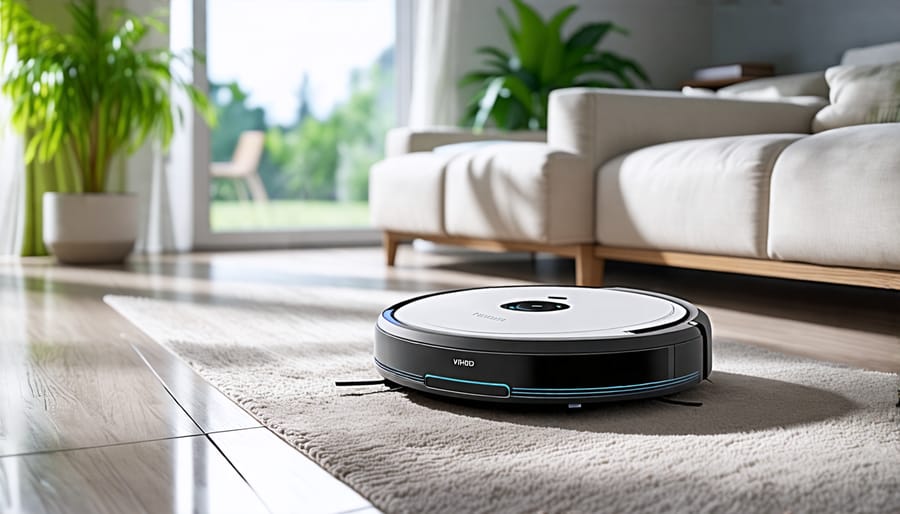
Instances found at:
x=620 y=67
x=495 y=52
x=498 y=66
x=514 y=36
x=509 y=114
x=584 y=41
x=520 y=92
x=553 y=51
x=590 y=35
x=31 y=149
x=475 y=77
x=635 y=68
x=533 y=35
x=529 y=79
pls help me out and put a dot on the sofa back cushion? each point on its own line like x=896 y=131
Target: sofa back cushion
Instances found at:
x=859 y=95
x=876 y=54
x=600 y=124
x=703 y=195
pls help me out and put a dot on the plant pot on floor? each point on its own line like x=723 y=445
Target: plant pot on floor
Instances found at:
x=90 y=228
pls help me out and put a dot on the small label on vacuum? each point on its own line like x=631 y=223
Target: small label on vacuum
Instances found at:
x=464 y=362
x=488 y=317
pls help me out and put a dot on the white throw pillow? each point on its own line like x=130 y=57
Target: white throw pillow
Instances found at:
x=797 y=84
x=769 y=94
x=697 y=91
x=800 y=88
x=860 y=95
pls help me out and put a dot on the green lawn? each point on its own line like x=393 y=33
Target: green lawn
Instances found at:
x=287 y=214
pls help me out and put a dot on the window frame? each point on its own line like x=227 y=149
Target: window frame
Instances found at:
x=204 y=238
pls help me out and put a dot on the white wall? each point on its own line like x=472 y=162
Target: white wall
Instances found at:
x=668 y=37
x=800 y=35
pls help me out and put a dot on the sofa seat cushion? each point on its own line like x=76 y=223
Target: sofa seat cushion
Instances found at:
x=836 y=199
x=701 y=195
x=406 y=193
x=522 y=192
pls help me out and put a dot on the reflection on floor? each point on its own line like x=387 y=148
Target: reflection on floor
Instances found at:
x=95 y=417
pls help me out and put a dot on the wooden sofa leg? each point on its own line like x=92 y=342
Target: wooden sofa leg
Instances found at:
x=390 y=242
x=588 y=268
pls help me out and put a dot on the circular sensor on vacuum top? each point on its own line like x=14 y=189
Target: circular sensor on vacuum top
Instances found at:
x=535 y=306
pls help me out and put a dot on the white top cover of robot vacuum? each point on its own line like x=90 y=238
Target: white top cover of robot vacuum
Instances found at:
x=584 y=312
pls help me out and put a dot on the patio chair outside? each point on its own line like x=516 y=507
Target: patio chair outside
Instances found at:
x=244 y=164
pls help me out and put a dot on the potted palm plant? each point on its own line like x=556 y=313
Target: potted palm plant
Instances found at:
x=83 y=99
x=514 y=88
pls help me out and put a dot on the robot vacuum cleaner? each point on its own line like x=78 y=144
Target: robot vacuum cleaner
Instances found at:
x=544 y=344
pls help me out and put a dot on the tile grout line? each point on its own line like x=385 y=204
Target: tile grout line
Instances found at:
x=121 y=443
x=166 y=387
x=207 y=434
x=229 y=430
x=174 y=398
x=204 y=433
x=100 y=446
x=172 y=394
x=236 y=470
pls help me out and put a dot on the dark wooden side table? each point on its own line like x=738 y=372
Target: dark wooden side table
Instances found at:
x=716 y=84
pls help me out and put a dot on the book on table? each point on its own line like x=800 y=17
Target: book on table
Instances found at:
x=734 y=71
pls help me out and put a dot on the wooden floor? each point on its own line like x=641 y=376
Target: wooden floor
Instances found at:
x=95 y=417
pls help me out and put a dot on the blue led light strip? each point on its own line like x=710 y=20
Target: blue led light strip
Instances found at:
x=389 y=315
x=473 y=382
x=404 y=374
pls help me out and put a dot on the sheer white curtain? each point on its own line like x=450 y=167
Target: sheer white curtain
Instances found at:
x=436 y=64
x=150 y=173
x=12 y=180
x=147 y=176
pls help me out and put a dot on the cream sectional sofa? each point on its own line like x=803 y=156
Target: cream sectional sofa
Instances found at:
x=712 y=182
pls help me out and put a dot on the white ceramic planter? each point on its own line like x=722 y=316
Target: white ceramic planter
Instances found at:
x=90 y=228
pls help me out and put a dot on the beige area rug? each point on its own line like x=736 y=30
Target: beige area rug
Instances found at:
x=775 y=433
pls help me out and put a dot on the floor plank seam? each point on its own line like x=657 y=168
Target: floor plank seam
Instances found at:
x=178 y=402
x=98 y=446
x=242 y=429
x=166 y=387
x=236 y=470
x=204 y=432
x=221 y=452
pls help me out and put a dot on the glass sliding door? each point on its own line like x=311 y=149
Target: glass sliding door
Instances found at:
x=305 y=92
